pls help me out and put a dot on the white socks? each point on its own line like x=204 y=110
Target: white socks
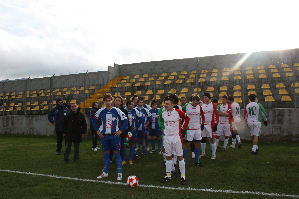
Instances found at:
x=225 y=143
x=217 y=142
x=203 y=148
x=213 y=149
x=168 y=165
x=174 y=159
x=254 y=148
x=233 y=142
x=182 y=168
x=238 y=138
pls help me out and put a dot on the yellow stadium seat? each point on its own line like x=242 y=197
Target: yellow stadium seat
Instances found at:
x=287 y=70
x=214 y=74
x=197 y=90
x=182 y=95
x=271 y=66
x=237 y=72
x=19 y=108
x=184 y=73
x=171 y=77
x=127 y=84
x=289 y=74
x=76 y=92
x=265 y=86
x=252 y=92
x=226 y=69
x=284 y=66
x=283 y=91
x=145 y=75
x=12 y=104
x=132 y=80
x=86 y=92
x=250 y=86
x=173 y=73
x=192 y=76
x=160 y=92
x=237 y=87
x=163 y=74
x=213 y=79
x=262 y=76
x=201 y=80
x=44 y=102
x=215 y=70
x=127 y=93
x=222 y=94
x=136 y=76
x=267 y=92
x=297 y=90
x=193 y=72
x=209 y=89
x=238 y=100
x=269 y=99
x=167 y=82
x=237 y=77
x=172 y=91
x=261 y=71
x=157 y=97
x=158 y=82
x=36 y=108
x=151 y=79
x=138 y=93
x=297 y=84
x=81 y=88
x=179 y=81
x=237 y=94
x=126 y=77
x=190 y=80
x=274 y=71
x=160 y=78
x=137 y=84
x=275 y=75
x=260 y=67
x=250 y=77
x=249 y=72
x=141 y=79
x=223 y=88
x=147 y=83
x=73 y=101
x=203 y=75
x=184 y=90
x=248 y=67
x=280 y=85
x=182 y=76
x=296 y=64
x=286 y=98
x=145 y=97
x=123 y=81
x=225 y=73
x=225 y=78
x=204 y=71
x=91 y=88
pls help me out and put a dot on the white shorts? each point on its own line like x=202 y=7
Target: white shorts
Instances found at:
x=207 y=132
x=193 y=135
x=254 y=128
x=234 y=126
x=173 y=145
x=223 y=129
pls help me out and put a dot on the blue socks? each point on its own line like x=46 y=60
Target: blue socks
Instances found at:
x=132 y=152
x=159 y=144
x=143 y=149
x=106 y=162
x=153 y=145
x=125 y=154
x=196 y=151
x=118 y=162
x=185 y=152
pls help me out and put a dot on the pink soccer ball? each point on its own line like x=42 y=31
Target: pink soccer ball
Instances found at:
x=132 y=181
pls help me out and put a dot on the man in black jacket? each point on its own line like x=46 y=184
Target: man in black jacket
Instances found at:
x=94 y=126
x=74 y=127
x=56 y=117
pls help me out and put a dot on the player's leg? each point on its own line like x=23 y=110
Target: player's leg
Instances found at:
x=116 y=150
x=167 y=145
x=76 y=151
x=255 y=132
x=152 y=136
x=178 y=151
x=197 y=139
x=143 y=142
x=106 y=147
x=187 y=145
x=213 y=146
x=238 y=139
x=59 y=137
x=159 y=140
x=233 y=145
x=123 y=150
x=227 y=134
x=219 y=132
x=67 y=151
x=203 y=144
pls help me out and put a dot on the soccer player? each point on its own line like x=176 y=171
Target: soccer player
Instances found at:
x=110 y=132
x=56 y=117
x=94 y=126
x=251 y=115
x=133 y=120
x=144 y=115
x=172 y=140
x=195 y=126
x=211 y=120
x=225 y=118
x=154 y=129
x=236 y=119
x=135 y=100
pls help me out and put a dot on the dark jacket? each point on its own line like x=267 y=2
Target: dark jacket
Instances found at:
x=74 y=126
x=94 y=123
x=57 y=115
x=125 y=133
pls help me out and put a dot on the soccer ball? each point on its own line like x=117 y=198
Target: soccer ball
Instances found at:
x=132 y=181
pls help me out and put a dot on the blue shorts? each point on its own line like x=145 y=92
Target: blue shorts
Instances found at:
x=110 y=142
x=155 y=132
x=134 y=137
x=141 y=134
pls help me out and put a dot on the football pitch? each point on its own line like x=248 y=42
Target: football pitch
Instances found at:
x=29 y=168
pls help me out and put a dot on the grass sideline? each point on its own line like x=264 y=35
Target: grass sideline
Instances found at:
x=273 y=170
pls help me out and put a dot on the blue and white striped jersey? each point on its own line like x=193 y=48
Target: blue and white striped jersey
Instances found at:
x=144 y=115
x=133 y=117
x=153 y=120
x=112 y=120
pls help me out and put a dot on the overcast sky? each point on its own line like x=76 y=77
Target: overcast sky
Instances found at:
x=40 y=38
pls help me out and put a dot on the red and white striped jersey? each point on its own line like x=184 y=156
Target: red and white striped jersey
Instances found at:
x=172 y=122
x=210 y=113
x=195 y=113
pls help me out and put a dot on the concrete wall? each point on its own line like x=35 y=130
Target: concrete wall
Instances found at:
x=283 y=125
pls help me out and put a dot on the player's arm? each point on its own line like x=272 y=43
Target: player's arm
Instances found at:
x=185 y=117
x=160 y=119
x=51 y=116
x=185 y=107
x=216 y=113
x=263 y=113
x=124 y=122
x=202 y=118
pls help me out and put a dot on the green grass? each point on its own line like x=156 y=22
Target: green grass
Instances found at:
x=275 y=170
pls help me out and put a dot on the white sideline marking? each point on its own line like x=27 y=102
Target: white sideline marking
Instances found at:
x=154 y=186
